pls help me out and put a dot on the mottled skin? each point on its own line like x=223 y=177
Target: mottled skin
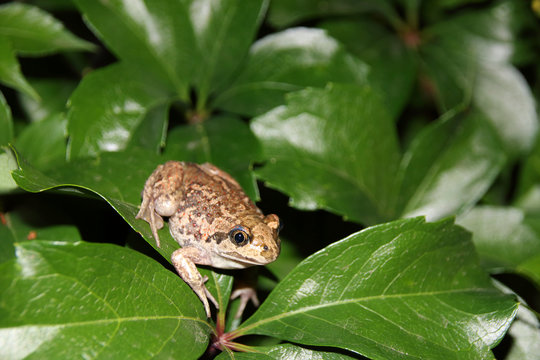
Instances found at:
x=212 y=219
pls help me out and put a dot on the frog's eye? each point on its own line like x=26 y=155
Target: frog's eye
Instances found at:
x=239 y=236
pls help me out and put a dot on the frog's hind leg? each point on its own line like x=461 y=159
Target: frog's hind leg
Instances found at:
x=184 y=261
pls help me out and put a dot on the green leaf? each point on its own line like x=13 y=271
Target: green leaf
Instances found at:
x=531 y=268
x=109 y=106
x=505 y=237
x=155 y=37
x=285 y=62
x=33 y=31
x=525 y=332
x=406 y=289
x=6 y=122
x=44 y=151
x=287 y=12
x=65 y=299
x=449 y=166
x=10 y=71
x=468 y=57
x=7 y=164
x=54 y=95
x=392 y=67
x=285 y=352
x=334 y=149
x=224 y=30
x=529 y=176
x=224 y=141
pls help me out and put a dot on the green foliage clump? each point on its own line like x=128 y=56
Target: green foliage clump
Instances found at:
x=397 y=141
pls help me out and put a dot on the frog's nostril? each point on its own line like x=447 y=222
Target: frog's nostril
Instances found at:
x=265 y=248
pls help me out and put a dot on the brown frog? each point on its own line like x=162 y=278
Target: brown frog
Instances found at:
x=212 y=219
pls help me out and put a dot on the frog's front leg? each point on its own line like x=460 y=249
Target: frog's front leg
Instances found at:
x=161 y=195
x=184 y=261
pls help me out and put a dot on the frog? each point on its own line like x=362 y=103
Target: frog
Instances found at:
x=214 y=222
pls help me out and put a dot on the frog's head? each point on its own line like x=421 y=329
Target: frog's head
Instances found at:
x=253 y=240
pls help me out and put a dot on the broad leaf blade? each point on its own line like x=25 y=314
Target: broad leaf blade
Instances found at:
x=285 y=352
x=108 y=107
x=10 y=70
x=449 y=166
x=285 y=62
x=392 y=66
x=33 y=31
x=6 y=122
x=61 y=299
x=8 y=163
x=54 y=97
x=505 y=237
x=287 y=12
x=224 y=30
x=334 y=149
x=469 y=59
x=44 y=151
x=406 y=289
x=154 y=36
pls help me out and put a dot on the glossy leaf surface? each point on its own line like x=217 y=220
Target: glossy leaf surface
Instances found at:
x=33 y=31
x=54 y=94
x=406 y=289
x=224 y=30
x=6 y=122
x=468 y=57
x=334 y=149
x=392 y=66
x=108 y=107
x=10 y=70
x=7 y=164
x=505 y=237
x=44 y=151
x=285 y=62
x=156 y=37
x=284 y=352
x=449 y=166
x=287 y=12
x=61 y=299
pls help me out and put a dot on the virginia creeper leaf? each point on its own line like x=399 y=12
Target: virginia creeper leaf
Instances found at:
x=449 y=166
x=61 y=299
x=108 y=107
x=6 y=122
x=285 y=62
x=284 y=352
x=334 y=149
x=224 y=30
x=156 y=37
x=505 y=237
x=405 y=289
x=10 y=70
x=33 y=31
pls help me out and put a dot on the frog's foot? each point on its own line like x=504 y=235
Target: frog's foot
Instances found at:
x=245 y=294
x=148 y=214
x=184 y=262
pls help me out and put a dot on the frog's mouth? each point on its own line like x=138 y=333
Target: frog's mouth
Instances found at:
x=240 y=261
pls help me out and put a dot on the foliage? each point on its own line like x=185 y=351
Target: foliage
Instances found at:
x=413 y=122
